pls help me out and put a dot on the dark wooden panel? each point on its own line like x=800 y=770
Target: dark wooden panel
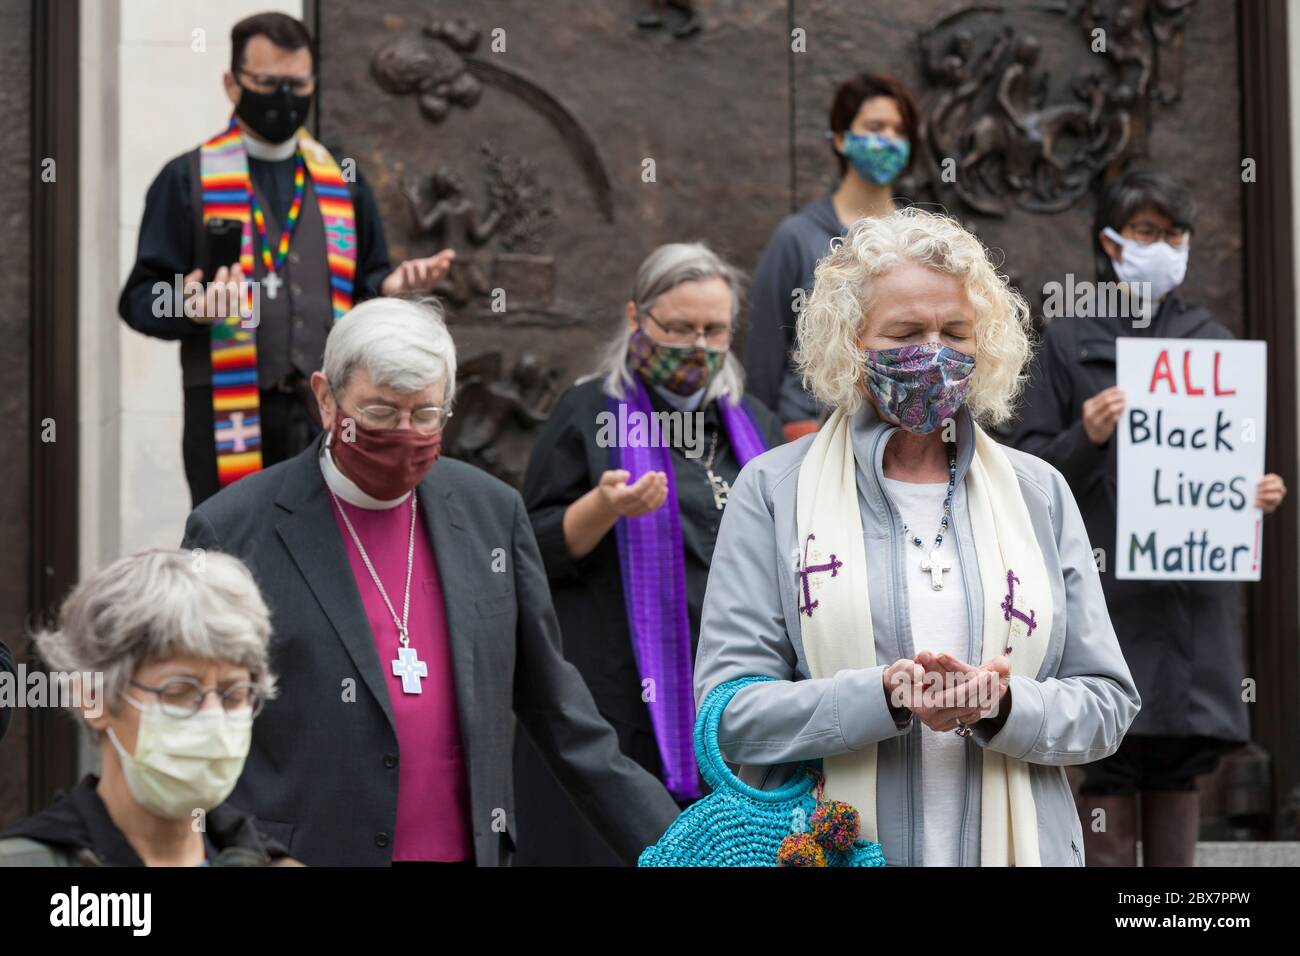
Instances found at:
x=54 y=464
x=710 y=109
x=1270 y=314
x=1042 y=247
x=16 y=173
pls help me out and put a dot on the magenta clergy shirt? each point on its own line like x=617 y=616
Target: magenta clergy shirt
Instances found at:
x=432 y=788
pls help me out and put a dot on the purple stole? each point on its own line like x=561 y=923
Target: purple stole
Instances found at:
x=653 y=565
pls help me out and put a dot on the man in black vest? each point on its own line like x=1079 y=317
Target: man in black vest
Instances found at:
x=271 y=83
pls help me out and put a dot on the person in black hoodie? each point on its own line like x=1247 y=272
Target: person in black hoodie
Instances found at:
x=872 y=121
x=144 y=643
x=1181 y=639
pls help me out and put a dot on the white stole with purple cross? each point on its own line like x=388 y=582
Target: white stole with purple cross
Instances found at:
x=837 y=633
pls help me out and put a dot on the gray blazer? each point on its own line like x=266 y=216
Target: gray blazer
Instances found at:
x=1076 y=710
x=322 y=774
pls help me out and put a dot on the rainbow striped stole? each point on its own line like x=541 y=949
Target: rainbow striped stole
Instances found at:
x=226 y=188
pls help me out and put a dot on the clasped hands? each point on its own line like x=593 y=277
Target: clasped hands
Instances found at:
x=942 y=690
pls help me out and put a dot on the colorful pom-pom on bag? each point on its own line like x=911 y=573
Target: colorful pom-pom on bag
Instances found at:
x=740 y=825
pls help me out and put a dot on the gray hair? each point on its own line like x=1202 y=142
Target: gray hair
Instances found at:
x=663 y=270
x=403 y=343
x=159 y=605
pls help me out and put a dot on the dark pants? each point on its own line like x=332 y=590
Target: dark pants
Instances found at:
x=288 y=421
x=1154 y=764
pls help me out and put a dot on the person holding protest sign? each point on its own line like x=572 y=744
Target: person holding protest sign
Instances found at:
x=1180 y=638
x=924 y=599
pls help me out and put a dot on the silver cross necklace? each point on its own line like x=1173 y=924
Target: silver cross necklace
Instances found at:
x=933 y=563
x=717 y=484
x=407 y=665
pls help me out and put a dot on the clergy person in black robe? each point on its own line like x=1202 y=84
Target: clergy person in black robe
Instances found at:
x=271 y=83
x=593 y=497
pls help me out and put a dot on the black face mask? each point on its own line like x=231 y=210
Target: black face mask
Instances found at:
x=273 y=116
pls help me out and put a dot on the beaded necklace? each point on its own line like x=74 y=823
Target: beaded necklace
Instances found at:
x=932 y=562
x=273 y=265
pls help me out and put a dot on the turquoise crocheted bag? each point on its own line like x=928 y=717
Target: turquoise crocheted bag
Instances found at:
x=740 y=825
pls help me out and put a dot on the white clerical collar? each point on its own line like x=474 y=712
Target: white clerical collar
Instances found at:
x=347 y=489
x=683 y=403
x=259 y=149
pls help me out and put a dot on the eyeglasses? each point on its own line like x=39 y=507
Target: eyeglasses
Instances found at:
x=1148 y=232
x=183 y=697
x=683 y=333
x=425 y=420
x=269 y=82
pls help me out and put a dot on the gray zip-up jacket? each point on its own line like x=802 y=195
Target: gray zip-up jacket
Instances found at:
x=1076 y=710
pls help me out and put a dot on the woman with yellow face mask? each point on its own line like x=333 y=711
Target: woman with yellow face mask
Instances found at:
x=165 y=655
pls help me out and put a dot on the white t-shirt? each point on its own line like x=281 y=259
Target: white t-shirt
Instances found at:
x=939 y=625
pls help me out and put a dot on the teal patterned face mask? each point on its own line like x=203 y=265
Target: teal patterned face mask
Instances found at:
x=878 y=159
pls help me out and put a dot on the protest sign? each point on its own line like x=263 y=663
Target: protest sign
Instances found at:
x=1191 y=453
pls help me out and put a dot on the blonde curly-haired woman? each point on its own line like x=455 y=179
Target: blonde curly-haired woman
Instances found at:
x=925 y=598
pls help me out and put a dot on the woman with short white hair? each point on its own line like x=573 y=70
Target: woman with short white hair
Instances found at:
x=626 y=514
x=174 y=647
x=924 y=598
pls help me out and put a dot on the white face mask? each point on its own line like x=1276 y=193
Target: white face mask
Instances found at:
x=1162 y=266
x=184 y=764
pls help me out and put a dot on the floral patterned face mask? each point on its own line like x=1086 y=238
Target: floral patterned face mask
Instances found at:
x=916 y=387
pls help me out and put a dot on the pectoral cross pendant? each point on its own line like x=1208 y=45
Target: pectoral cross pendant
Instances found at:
x=720 y=489
x=409 y=668
x=936 y=567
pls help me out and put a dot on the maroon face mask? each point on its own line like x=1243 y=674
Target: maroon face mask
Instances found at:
x=385 y=463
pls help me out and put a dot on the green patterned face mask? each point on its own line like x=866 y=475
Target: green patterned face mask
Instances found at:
x=682 y=369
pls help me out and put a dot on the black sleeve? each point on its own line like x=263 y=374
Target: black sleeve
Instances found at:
x=769 y=333
x=769 y=426
x=626 y=804
x=6 y=667
x=1051 y=427
x=372 y=248
x=164 y=251
x=1214 y=330
x=558 y=476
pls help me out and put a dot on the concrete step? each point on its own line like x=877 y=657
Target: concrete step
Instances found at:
x=1245 y=853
